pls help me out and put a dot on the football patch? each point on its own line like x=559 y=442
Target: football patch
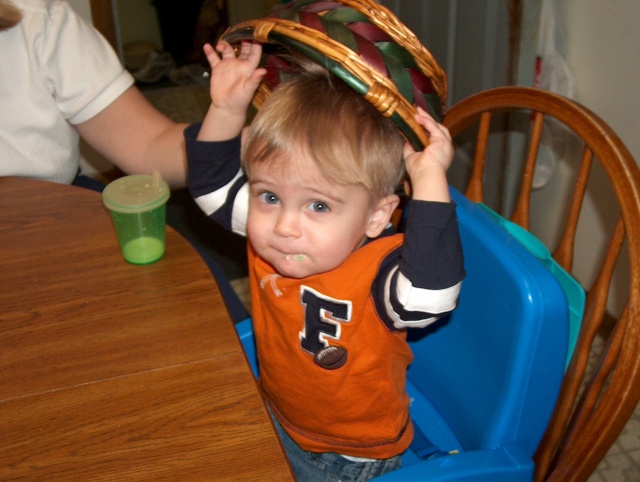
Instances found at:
x=331 y=358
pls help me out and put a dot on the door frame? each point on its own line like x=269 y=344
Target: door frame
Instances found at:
x=104 y=20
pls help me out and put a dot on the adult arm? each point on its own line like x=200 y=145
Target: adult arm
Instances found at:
x=137 y=138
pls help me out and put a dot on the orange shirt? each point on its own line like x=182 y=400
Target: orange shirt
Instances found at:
x=353 y=400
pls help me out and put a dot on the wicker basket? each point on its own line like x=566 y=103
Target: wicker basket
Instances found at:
x=361 y=42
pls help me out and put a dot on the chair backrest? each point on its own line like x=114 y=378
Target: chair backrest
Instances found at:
x=492 y=369
x=592 y=408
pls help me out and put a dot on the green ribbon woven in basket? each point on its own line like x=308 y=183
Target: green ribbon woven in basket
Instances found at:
x=362 y=43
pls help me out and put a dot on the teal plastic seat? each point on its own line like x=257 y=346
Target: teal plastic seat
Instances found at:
x=485 y=379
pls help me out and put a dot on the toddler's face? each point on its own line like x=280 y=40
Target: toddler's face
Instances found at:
x=301 y=223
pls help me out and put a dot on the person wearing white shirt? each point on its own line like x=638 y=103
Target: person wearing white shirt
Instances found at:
x=59 y=80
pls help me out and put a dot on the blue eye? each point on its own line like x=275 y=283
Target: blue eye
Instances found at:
x=269 y=198
x=319 y=206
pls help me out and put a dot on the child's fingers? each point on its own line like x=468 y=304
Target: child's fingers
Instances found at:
x=407 y=151
x=431 y=125
x=255 y=53
x=424 y=118
x=446 y=132
x=245 y=50
x=258 y=74
x=226 y=50
x=212 y=56
x=208 y=49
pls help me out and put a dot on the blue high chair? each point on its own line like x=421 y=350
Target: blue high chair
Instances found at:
x=485 y=379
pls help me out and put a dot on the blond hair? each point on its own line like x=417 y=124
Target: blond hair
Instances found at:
x=316 y=114
x=10 y=15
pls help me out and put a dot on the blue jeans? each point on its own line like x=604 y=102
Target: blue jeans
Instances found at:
x=329 y=467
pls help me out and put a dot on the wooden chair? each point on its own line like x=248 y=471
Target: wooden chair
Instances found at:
x=592 y=409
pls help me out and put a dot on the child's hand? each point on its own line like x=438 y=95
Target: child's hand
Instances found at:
x=427 y=169
x=234 y=81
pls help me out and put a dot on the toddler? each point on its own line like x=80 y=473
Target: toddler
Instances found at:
x=333 y=288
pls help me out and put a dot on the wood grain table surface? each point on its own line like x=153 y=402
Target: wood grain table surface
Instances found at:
x=111 y=371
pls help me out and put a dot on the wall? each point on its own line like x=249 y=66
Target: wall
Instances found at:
x=137 y=21
x=601 y=50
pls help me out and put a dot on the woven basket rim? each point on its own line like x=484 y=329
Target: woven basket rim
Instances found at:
x=376 y=88
x=384 y=18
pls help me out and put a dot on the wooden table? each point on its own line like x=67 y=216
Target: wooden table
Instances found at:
x=110 y=371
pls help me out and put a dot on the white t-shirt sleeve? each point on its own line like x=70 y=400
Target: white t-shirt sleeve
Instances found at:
x=56 y=70
x=84 y=73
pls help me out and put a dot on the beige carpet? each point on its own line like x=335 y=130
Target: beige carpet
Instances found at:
x=184 y=103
